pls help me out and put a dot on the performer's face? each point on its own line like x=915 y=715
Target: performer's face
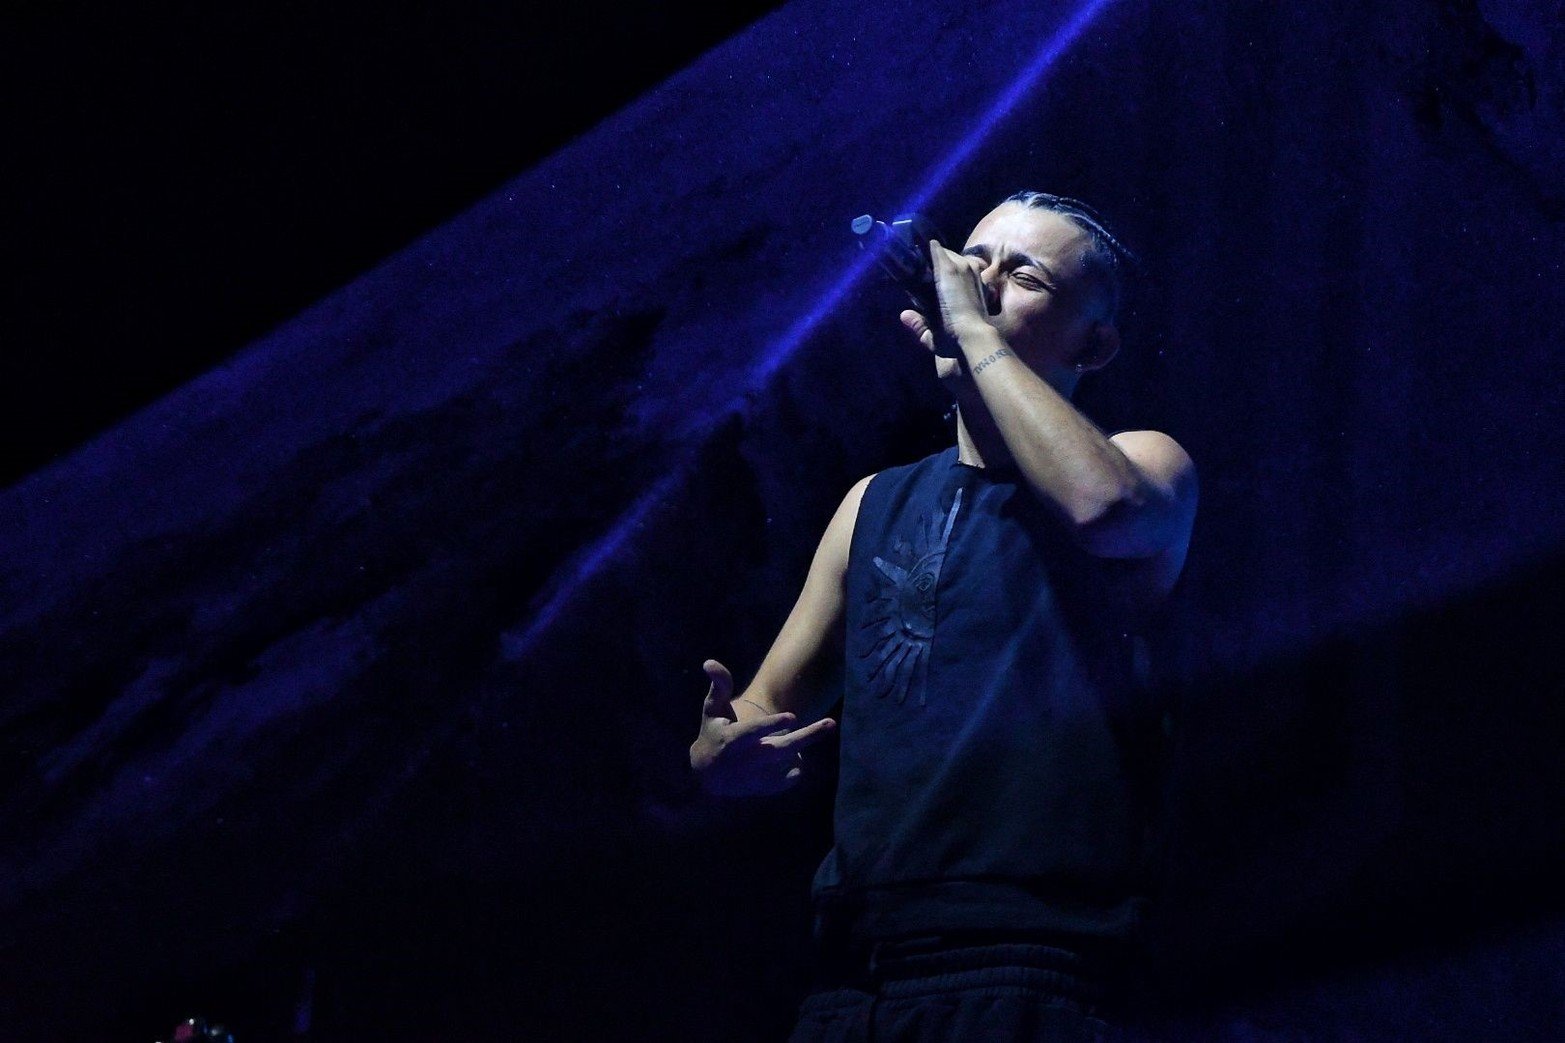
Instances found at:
x=1049 y=309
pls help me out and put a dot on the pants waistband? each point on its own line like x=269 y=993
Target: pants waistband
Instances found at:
x=1036 y=962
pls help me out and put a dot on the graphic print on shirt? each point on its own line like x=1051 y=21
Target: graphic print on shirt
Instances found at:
x=901 y=616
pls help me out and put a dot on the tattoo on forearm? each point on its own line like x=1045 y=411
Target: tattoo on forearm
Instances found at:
x=753 y=703
x=984 y=363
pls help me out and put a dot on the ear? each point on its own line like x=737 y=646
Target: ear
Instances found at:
x=1102 y=346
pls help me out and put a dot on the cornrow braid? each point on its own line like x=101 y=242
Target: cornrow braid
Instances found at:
x=1107 y=257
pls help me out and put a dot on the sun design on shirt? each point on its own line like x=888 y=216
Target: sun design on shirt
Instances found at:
x=901 y=615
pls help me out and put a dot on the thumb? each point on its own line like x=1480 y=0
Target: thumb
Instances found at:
x=918 y=326
x=719 y=697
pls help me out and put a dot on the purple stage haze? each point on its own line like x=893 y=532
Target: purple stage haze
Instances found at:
x=370 y=658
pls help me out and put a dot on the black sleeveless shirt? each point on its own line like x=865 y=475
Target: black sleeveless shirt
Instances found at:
x=990 y=729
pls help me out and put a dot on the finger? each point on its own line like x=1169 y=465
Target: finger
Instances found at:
x=802 y=737
x=719 y=695
x=958 y=264
x=919 y=327
x=768 y=724
x=943 y=258
x=948 y=266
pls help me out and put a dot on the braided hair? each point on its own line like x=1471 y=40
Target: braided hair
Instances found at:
x=1105 y=258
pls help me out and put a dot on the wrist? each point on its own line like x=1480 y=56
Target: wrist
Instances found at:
x=983 y=349
x=976 y=338
x=759 y=707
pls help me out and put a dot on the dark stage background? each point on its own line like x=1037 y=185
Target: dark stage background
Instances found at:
x=402 y=405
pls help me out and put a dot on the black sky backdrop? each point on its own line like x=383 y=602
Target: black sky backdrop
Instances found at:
x=185 y=179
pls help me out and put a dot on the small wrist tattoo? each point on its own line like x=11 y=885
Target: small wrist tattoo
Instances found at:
x=984 y=363
x=753 y=703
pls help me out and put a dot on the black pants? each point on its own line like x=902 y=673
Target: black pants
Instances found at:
x=933 y=990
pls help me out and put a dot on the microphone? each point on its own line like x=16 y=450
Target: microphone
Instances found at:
x=901 y=249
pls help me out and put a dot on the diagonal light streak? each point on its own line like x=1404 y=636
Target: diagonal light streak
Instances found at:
x=1028 y=78
x=589 y=563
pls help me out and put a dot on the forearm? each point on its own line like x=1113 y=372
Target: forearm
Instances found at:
x=1062 y=455
x=754 y=702
x=762 y=697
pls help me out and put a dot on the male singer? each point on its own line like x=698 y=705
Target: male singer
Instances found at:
x=986 y=877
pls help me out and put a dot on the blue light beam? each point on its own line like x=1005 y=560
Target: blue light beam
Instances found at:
x=592 y=561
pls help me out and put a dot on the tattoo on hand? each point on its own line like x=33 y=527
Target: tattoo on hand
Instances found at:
x=984 y=363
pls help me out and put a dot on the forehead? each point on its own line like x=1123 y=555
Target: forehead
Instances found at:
x=1044 y=234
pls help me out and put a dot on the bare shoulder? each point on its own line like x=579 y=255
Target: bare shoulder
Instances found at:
x=1145 y=579
x=1163 y=460
x=840 y=530
x=856 y=494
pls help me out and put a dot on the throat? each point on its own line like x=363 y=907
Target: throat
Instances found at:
x=978 y=441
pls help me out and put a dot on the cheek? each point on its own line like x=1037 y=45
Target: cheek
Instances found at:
x=1033 y=316
x=1034 y=310
x=1016 y=326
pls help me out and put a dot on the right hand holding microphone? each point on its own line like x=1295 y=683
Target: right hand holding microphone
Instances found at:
x=754 y=757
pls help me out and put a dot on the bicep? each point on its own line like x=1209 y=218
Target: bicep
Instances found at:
x=807 y=637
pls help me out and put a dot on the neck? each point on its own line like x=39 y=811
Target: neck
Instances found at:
x=978 y=441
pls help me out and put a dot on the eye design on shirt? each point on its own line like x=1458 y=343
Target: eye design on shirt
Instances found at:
x=901 y=614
